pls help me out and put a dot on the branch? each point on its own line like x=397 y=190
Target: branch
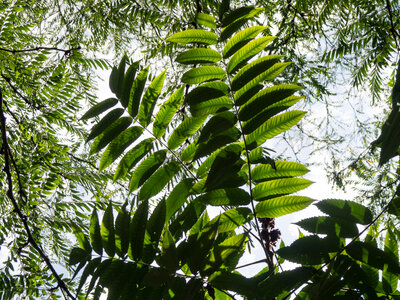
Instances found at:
x=17 y=209
x=26 y=100
x=66 y=51
x=392 y=29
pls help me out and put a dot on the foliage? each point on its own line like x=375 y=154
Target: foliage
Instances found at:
x=180 y=141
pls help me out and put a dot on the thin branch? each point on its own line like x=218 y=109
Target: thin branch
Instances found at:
x=26 y=100
x=392 y=29
x=66 y=51
x=17 y=209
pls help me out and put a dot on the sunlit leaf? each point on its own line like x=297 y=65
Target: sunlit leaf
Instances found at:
x=104 y=123
x=188 y=127
x=242 y=36
x=178 y=196
x=136 y=92
x=263 y=172
x=329 y=225
x=95 y=236
x=122 y=232
x=137 y=231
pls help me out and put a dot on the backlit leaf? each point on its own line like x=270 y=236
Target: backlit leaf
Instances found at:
x=233 y=197
x=104 y=123
x=348 y=210
x=146 y=169
x=194 y=36
x=207 y=91
x=247 y=52
x=99 y=108
x=273 y=127
x=122 y=232
x=187 y=128
x=281 y=206
x=166 y=112
x=107 y=231
x=279 y=186
x=178 y=197
x=129 y=77
x=244 y=35
x=263 y=172
x=149 y=99
x=137 y=231
x=198 y=56
x=212 y=106
x=118 y=145
x=136 y=92
x=206 y=20
x=110 y=133
x=95 y=236
x=201 y=74
x=329 y=225
x=132 y=157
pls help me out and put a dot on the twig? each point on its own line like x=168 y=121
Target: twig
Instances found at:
x=17 y=209
x=26 y=100
x=66 y=51
x=392 y=29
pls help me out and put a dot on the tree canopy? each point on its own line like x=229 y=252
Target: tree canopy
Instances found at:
x=116 y=196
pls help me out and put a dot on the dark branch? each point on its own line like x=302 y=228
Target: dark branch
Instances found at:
x=66 y=51
x=17 y=210
x=392 y=29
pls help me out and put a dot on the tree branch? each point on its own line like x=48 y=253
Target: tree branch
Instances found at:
x=17 y=210
x=66 y=51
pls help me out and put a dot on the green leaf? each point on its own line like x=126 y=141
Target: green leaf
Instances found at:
x=282 y=169
x=371 y=255
x=245 y=35
x=82 y=239
x=280 y=206
x=347 y=210
x=156 y=182
x=244 y=97
x=149 y=99
x=329 y=225
x=132 y=157
x=198 y=56
x=168 y=256
x=155 y=278
x=166 y=112
x=137 y=231
x=202 y=74
x=102 y=267
x=227 y=164
x=272 y=110
x=207 y=91
x=263 y=65
x=265 y=98
x=199 y=245
x=231 y=219
x=107 y=231
x=104 y=123
x=241 y=96
x=217 y=124
x=273 y=127
x=206 y=20
x=224 y=280
x=247 y=52
x=122 y=232
x=186 y=129
x=78 y=255
x=146 y=169
x=110 y=133
x=232 y=197
x=118 y=145
x=194 y=36
x=226 y=255
x=394 y=206
x=95 y=236
x=117 y=77
x=211 y=106
x=99 y=108
x=127 y=83
x=279 y=186
x=178 y=196
x=154 y=229
x=246 y=12
x=136 y=92
x=310 y=250
x=285 y=281
x=390 y=280
x=91 y=266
